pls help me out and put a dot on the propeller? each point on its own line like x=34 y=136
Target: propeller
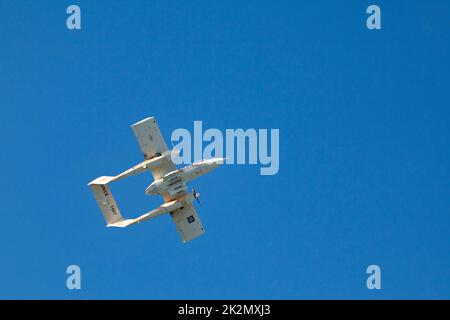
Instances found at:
x=196 y=195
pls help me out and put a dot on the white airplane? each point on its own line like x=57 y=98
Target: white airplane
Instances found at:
x=170 y=182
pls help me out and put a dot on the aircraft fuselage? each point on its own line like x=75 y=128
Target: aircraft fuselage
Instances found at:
x=175 y=181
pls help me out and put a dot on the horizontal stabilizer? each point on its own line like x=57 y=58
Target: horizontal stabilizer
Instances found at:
x=122 y=223
x=102 y=180
x=105 y=200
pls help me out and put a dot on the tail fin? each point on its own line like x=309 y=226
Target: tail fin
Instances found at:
x=105 y=199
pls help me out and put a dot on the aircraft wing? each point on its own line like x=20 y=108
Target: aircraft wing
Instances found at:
x=187 y=222
x=152 y=145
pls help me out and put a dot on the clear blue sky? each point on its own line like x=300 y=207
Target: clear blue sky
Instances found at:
x=364 y=147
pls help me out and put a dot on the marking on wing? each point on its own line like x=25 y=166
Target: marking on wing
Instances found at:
x=190 y=219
